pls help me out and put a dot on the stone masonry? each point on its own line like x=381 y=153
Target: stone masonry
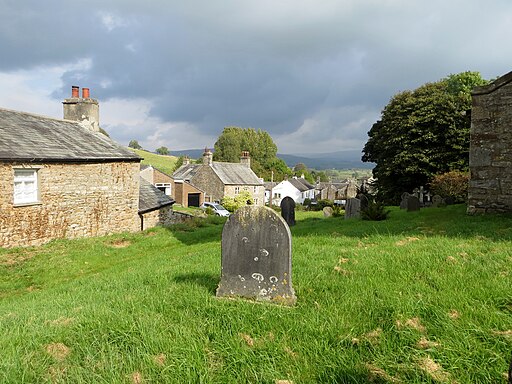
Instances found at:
x=75 y=200
x=490 y=156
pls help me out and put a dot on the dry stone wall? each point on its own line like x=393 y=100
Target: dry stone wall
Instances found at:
x=490 y=157
x=75 y=200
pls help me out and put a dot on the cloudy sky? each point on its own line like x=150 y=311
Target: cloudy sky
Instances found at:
x=315 y=74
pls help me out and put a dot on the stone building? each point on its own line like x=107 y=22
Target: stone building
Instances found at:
x=63 y=178
x=155 y=207
x=490 y=155
x=218 y=179
x=181 y=191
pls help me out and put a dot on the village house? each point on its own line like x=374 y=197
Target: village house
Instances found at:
x=218 y=179
x=181 y=191
x=298 y=188
x=63 y=178
x=490 y=154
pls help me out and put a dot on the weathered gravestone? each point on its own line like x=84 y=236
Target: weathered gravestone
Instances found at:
x=257 y=257
x=364 y=201
x=327 y=211
x=437 y=201
x=352 y=208
x=413 y=203
x=403 y=202
x=288 y=210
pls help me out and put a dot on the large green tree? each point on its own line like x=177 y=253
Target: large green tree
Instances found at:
x=262 y=149
x=422 y=133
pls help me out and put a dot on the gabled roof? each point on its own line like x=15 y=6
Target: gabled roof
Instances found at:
x=30 y=138
x=301 y=184
x=228 y=173
x=235 y=174
x=151 y=198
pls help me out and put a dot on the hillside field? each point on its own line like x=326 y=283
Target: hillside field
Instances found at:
x=163 y=163
x=423 y=297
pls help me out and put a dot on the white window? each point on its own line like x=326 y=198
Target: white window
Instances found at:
x=25 y=186
x=237 y=190
x=164 y=187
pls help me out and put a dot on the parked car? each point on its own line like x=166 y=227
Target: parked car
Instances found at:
x=217 y=208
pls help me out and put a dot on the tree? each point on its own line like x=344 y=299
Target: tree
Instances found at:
x=260 y=145
x=134 y=144
x=162 y=151
x=421 y=133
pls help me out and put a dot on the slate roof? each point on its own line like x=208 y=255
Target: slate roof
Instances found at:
x=33 y=138
x=229 y=173
x=151 y=198
x=301 y=184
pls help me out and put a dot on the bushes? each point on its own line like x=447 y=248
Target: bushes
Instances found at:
x=374 y=211
x=242 y=199
x=452 y=184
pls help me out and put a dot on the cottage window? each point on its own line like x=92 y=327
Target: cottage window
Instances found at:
x=25 y=186
x=237 y=190
x=255 y=189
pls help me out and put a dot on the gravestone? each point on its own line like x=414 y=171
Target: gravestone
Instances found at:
x=327 y=211
x=403 y=202
x=413 y=204
x=353 y=208
x=364 y=200
x=437 y=201
x=257 y=257
x=288 y=210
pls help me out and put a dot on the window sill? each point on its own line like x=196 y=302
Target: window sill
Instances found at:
x=27 y=204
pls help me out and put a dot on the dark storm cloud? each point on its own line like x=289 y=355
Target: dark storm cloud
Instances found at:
x=298 y=68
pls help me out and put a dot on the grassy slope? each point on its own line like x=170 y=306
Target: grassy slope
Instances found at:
x=422 y=297
x=163 y=163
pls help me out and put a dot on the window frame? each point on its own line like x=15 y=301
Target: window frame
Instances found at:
x=34 y=192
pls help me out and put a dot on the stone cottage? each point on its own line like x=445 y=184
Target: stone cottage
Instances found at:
x=490 y=154
x=155 y=207
x=218 y=179
x=181 y=191
x=63 y=178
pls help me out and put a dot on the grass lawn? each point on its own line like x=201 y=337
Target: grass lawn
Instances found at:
x=163 y=163
x=423 y=297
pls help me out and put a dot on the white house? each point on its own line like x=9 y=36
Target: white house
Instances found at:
x=297 y=188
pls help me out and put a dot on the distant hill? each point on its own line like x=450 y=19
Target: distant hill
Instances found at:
x=163 y=163
x=333 y=160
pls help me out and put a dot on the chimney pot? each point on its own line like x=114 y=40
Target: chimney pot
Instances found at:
x=74 y=91
x=85 y=93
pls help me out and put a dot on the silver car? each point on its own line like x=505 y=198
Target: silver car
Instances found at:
x=217 y=208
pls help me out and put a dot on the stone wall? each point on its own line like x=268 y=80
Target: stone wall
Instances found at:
x=162 y=216
x=490 y=156
x=75 y=200
x=206 y=179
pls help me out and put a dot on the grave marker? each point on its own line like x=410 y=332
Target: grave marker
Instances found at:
x=327 y=211
x=413 y=204
x=288 y=210
x=353 y=208
x=256 y=257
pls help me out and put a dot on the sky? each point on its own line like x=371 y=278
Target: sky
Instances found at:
x=315 y=74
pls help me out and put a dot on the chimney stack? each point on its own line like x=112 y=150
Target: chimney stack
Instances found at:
x=207 y=157
x=84 y=110
x=245 y=159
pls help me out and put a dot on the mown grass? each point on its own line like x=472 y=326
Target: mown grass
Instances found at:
x=163 y=163
x=420 y=298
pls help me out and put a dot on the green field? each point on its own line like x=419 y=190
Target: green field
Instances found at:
x=423 y=297
x=163 y=163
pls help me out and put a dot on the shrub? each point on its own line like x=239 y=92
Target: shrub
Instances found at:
x=338 y=211
x=240 y=200
x=375 y=211
x=453 y=184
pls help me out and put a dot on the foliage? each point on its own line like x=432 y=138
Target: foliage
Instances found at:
x=421 y=133
x=260 y=145
x=377 y=302
x=162 y=151
x=134 y=144
x=301 y=169
x=452 y=184
x=178 y=163
x=375 y=211
x=338 y=211
x=240 y=200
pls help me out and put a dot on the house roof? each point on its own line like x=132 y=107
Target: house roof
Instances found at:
x=151 y=198
x=228 y=173
x=31 y=138
x=301 y=184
